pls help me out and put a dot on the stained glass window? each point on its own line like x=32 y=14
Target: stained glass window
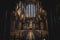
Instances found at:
x=30 y=10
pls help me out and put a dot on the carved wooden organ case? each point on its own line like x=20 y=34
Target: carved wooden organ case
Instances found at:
x=29 y=21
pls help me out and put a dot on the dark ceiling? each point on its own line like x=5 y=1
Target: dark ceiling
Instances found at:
x=10 y=3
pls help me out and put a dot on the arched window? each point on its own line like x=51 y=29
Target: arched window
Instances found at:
x=30 y=10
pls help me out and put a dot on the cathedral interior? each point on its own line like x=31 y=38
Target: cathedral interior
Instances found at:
x=29 y=20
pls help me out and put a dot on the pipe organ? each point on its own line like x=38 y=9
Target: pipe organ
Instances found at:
x=29 y=21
